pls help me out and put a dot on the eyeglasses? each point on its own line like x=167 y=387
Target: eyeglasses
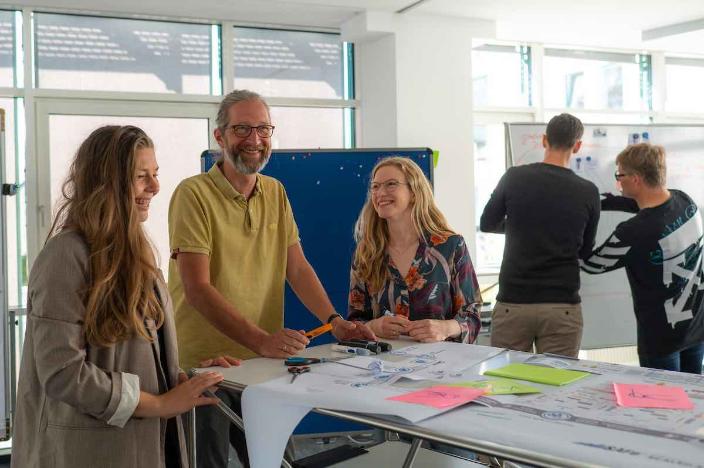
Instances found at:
x=389 y=186
x=243 y=131
x=620 y=175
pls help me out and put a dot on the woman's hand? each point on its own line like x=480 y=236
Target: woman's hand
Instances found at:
x=430 y=331
x=389 y=326
x=179 y=399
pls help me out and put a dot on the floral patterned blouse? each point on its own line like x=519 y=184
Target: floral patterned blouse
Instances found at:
x=440 y=284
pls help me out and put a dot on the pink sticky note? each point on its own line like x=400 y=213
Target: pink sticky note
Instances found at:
x=440 y=396
x=651 y=396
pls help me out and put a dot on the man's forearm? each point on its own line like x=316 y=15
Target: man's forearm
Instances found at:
x=310 y=291
x=225 y=318
x=493 y=220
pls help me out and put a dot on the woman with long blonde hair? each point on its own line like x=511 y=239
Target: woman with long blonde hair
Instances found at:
x=99 y=383
x=411 y=274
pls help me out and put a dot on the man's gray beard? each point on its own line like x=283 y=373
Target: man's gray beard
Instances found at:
x=241 y=167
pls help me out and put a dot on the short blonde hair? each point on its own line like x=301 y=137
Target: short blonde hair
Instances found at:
x=646 y=160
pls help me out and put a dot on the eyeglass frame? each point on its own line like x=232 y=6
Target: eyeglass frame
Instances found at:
x=257 y=128
x=386 y=185
x=620 y=175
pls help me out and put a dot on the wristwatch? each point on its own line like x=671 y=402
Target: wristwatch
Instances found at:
x=333 y=317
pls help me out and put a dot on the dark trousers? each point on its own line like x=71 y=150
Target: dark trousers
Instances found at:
x=215 y=433
x=688 y=360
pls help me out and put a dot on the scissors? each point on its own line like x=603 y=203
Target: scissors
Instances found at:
x=297 y=370
x=301 y=361
x=304 y=362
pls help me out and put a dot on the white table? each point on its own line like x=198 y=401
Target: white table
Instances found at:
x=558 y=429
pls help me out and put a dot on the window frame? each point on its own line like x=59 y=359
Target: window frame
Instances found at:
x=34 y=97
x=536 y=112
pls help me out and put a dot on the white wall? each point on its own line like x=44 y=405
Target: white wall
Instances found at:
x=378 y=125
x=415 y=72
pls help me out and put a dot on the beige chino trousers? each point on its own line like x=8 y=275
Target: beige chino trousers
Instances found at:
x=552 y=328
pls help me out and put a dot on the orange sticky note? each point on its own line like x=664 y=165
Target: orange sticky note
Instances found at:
x=651 y=396
x=440 y=396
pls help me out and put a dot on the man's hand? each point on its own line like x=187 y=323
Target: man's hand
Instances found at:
x=390 y=326
x=346 y=330
x=282 y=344
x=430 y=331
x=612 y=202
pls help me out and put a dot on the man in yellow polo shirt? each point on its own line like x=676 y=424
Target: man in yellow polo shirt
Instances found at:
x=234 y=244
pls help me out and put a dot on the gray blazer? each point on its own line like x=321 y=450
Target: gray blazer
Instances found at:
x=68 y=390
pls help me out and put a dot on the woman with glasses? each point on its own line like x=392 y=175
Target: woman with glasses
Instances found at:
x=411 y=274
x=99 y=383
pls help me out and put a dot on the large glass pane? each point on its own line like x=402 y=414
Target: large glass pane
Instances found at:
x=308 y=127
x=489 y=166
x=14 y=226
x=501 y=76
x=684 y=78
x=596 y=80
x=8 y=34
x=178 y=142
x=603 y=117
x=111 y=54
x=288 y=63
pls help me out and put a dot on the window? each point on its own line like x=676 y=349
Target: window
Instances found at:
x=277 y=63
x=684 y=78
x=109 y=54
x=579 y=79
x=308 y=127
x=489 y=166
x=501 y=75
x=9 y=44
x=178 y=142
x=15 y=213
x=604 y=117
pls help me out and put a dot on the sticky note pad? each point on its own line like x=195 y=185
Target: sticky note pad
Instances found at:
x=539 y=374
x=441 y=397
x=651 y=396
x=498 y=386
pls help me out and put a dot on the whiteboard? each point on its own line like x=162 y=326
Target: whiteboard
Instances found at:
x=606 y=299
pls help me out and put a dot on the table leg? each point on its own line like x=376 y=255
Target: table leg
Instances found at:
x=191 y=437
x=415 y=446
x=237 y=421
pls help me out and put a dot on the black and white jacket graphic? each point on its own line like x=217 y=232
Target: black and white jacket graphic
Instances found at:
x=661 y=250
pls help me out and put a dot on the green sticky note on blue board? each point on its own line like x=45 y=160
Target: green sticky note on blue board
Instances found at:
x=436 y=156
x=539 y=374
x=498 y=386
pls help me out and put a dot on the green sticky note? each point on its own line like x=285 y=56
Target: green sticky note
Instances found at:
x=539 y=374
x=498 y=386
x=436 y=156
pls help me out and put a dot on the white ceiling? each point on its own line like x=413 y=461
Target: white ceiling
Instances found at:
x=590 y=22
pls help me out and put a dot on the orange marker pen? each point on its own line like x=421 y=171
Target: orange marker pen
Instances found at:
x=318 y=331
